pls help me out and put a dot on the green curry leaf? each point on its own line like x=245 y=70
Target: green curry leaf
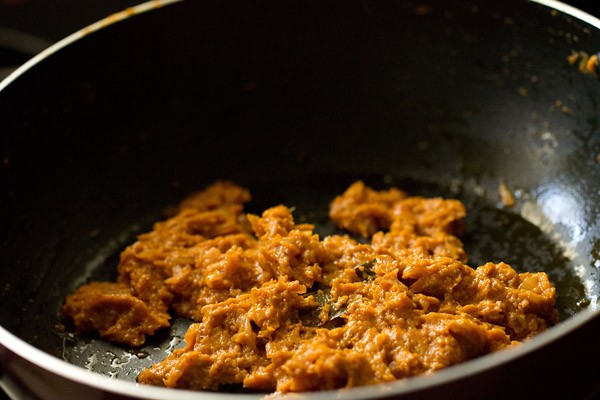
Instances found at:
x=365 y=270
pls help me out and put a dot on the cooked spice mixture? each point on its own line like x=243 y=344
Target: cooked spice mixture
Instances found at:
x=277 y=308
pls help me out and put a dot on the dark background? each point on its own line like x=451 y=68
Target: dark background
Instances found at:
x=591 y=6
x=29 y=26
x=54 y=19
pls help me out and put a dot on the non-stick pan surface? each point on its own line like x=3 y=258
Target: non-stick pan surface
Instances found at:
x=295 y=101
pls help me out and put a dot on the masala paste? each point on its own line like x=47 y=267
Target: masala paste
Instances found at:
x=277 y=308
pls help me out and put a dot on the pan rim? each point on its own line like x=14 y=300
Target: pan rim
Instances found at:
x=85 y=377
x=570 y=10
x=154 y=4
x=81 y=33
x=406 y=386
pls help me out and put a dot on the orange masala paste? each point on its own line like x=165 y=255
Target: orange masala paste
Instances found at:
x=277 y=308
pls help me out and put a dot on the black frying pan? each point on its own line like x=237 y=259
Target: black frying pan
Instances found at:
x=295 y=101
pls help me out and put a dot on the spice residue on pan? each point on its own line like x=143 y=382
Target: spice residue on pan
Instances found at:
x=506 y=195
x=587 y=64
x=278 y=308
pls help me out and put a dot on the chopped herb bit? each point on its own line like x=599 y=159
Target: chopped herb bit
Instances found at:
x=322 y=295
x=365 y=270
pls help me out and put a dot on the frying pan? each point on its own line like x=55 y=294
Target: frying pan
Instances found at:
x=104 y=130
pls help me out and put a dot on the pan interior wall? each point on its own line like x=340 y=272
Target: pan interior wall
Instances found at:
x=295 y=101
